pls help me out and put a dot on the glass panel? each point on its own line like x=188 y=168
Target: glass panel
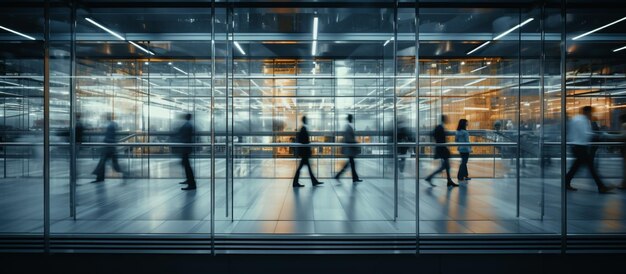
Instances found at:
x=324 y=64
x=595 y=78
x=132 y=95
x=21 y=133
x=474 y=70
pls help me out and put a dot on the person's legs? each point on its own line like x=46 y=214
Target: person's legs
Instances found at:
x=446 y=165
x=579 y=154
x=589 y=162
x=441 y=168
x=463 y=173
x=355 y=176
x=343 y=169
x=114 y=162
x=190 y=179
x=296 y=177
x=308 y=164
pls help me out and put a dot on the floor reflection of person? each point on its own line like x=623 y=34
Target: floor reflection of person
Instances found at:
x=441 y=152
x=185 y=135
x=109 y=151
x=580 y=134
x=462 y=136
x=302 y=137
x=350 y=151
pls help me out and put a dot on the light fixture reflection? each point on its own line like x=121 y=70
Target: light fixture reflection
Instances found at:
x=239 y=48
x=17 y=32
x=602 y=27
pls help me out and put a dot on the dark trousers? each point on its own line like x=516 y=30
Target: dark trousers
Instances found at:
x=463 y=173
x=401 y=163
x=107 y=153
x=355 y=177
x=583 y=157
x=445 y=165
x=304 y=161
x=191 y=180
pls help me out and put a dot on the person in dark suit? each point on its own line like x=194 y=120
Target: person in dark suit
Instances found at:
x=351 y=151
x=108 y=152
x=441 y=152
x=185 y=135
x=305 y=153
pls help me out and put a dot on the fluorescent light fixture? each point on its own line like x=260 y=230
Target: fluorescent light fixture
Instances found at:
x=477 y=48
x=389 y=40
x=475 y=70
x=514 y=28
x=602 y=27
x=18 y=33
x=622 y=48
x=10 y=83
x=181 y=71
x=313 y=48
x=105 y=29
x=440 y=80
x=315 y=23
x=475 y=82
x=141 y=48
x=446 y=90
x=239 y=48
x=475 y=108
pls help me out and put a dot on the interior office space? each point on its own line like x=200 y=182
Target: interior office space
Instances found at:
x=247 y=72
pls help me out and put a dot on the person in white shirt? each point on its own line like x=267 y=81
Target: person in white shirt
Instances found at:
x=349 y=137
x=579 y=135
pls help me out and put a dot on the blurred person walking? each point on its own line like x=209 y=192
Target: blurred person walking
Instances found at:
x=302 y=137
x=441 y=152
x=109 y=151
x=462 y=136
x=185 y=135
x=350 y=151
x=579 y=134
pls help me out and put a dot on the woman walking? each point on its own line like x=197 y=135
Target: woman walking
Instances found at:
x=462 y=136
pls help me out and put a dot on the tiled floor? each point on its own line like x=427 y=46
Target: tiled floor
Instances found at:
x=263 y=204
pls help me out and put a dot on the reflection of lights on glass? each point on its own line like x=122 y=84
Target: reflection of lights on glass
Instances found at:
x=119 y=63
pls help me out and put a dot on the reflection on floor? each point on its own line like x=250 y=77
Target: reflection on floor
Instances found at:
x=270 y=205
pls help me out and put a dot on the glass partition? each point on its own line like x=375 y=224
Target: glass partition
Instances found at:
x=190 y=121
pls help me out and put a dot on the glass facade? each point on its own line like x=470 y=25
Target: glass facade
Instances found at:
x=96 y=98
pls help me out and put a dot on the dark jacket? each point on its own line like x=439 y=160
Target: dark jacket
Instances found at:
x=440 y=138
x=302 y=137
x=185 y=135
x=109 y=134
x=349 y=137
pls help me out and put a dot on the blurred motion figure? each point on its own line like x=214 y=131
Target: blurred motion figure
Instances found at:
x=350 y=151
x=108 y=152
x=462 y=136
x=579 y=134
x=185 y=135
x=302 y=137
x=441 y=152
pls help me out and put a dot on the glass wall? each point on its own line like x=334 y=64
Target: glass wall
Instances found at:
x=232 y=121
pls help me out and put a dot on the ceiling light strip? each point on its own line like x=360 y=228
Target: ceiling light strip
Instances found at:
x=602 y=27
x=513 y=28
x=238 y=46
x=477 y=48
x=18 y=33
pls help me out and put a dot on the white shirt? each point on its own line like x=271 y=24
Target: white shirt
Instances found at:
x=579 y=131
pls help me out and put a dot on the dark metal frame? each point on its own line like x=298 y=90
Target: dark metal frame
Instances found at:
x=420 y=241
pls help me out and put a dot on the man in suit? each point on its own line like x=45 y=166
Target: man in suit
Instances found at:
x=351 y=151
x=441 y=152
x=108 y=152
x=185 y=135
x=304 y=153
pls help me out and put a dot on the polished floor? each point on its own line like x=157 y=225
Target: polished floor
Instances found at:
x=263 y=200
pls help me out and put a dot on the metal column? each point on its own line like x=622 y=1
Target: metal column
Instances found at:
x=395 y=112
x=563 y=126
x=212 y=127
x=46 y=127
x=417 y=142
x=73 y=145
